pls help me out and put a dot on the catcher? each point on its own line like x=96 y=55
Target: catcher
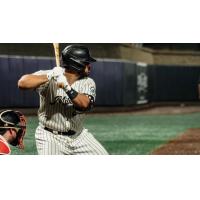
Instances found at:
x=12 y=130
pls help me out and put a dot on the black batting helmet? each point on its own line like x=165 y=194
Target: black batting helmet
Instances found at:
x=10 y=119
x=75 y=57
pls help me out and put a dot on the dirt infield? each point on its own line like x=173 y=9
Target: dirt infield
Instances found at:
x=169 y=110
x=186 y=144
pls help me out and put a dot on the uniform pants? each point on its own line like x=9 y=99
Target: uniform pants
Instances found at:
x=49 y=143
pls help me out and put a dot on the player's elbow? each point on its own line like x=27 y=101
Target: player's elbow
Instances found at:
x=82 y=107
x=85 y=105
x=23 y=82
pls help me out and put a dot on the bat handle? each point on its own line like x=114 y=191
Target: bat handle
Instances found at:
x=57 y=54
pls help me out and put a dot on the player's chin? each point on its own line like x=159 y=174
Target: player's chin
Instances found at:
x=86 y=73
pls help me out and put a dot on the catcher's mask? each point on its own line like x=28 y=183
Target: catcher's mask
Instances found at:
x=76 y=57
x=10 y=119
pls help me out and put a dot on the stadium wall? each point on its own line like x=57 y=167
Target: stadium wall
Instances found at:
x=119 y=82
x=173 y=83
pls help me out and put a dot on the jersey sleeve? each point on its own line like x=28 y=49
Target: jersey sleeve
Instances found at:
x=89 y=88
x=42 y=87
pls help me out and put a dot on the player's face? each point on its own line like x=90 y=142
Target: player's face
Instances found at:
x=12 y=135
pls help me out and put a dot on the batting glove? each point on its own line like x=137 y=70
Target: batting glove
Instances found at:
x=63 y=83
x=55 y=72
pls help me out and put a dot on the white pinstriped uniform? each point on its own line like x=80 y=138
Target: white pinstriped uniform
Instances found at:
x=57 y=112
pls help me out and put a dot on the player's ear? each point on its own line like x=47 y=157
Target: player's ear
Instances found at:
x=89 y=67
x=9 y=131
x=12 y=131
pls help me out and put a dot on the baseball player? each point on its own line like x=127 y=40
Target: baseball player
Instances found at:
x=66 y=93
x=12 y=130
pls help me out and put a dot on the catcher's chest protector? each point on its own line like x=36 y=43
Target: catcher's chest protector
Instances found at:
x=4 y=148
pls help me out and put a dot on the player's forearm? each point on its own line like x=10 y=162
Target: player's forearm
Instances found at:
x=81 y=101
x=31 y=81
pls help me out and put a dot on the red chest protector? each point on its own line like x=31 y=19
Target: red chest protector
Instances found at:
x=4 y=147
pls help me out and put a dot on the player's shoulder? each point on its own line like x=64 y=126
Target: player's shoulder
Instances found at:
x=87 y=80
x=4 y=147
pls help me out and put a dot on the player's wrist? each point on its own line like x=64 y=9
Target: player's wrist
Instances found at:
x=72 y=94
x=67 y=87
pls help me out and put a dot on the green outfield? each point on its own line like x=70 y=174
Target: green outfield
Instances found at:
x=126 y=134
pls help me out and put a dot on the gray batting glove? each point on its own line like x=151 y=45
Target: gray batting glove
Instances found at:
x=55 y=72
x=63 y=83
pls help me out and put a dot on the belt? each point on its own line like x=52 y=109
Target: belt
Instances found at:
x=68 y=133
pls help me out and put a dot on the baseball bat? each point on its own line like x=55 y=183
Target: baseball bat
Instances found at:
x=57 y=57
x=57 y=53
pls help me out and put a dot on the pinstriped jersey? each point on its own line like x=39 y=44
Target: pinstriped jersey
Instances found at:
x=56 y=109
